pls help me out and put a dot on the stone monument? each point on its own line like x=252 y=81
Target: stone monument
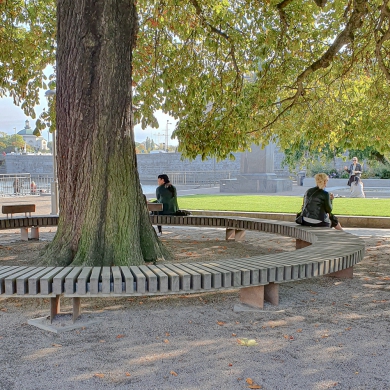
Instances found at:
x=256 y=173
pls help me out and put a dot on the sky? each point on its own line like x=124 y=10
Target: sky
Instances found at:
x=12 y=116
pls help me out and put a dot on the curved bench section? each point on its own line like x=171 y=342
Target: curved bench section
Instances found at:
x=323 y=251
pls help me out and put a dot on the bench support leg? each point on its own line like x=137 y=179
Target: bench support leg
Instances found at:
x=346 y=273
x=253 y=296
x=299 y=244
x=271 y=293
x=235 y=234
x=54 y=307
x=239 y=234
x=24 y=233
x=230 y=234
x=76 y=308
x=35 y=233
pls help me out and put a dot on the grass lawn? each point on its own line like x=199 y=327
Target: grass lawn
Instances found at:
x=282 y=204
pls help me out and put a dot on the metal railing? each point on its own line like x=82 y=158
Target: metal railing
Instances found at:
x=23 y=184
x=200 y=177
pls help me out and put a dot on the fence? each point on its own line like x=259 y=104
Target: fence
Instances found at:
x=200 y=177
x=23 y=184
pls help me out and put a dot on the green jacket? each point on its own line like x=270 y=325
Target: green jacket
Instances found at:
x=167 y=195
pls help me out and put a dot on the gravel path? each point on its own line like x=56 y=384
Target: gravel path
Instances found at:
x=326 y=333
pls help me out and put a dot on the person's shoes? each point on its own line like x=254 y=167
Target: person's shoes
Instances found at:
x=159 y=234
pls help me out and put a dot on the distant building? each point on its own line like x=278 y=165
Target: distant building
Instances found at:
x=37 y=143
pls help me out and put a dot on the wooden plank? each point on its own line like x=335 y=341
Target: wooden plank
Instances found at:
x=196 y=277
x=139 y=278
x=184 y=277
x=33 y=281
x=225 y=274
x=10 y=281
x=18 y=208
x=151 y=278
x=59 y=279
x=117 y=279
x=173 y=278
x=94 y=280
x=70 y=280
x=129 y=279
x=106 y=280
x=46 y=281
x=162 y=278
x=216 y=277
x=205 y=275
x=22 y=281
x=82 y=280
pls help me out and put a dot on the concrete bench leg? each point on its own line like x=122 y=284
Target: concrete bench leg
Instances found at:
x=76 y=308
x=346 y=273
x=235 y=234
x=54 y=307
x=24 y=233
x=256 y=295
x=253 y=296
x=271 y=293
x=299 y=244
x=35 y=233
x=230 y=234
x=239 y=234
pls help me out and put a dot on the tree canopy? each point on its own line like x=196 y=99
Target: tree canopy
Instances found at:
x=236 y=72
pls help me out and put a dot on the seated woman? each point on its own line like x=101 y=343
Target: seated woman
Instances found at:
x=167 y=195
x=357 y=188
x=317 y=205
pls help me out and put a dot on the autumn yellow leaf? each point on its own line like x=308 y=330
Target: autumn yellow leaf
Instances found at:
x=221 y=323
x=3 y=309
x=173 y=373
x=234 y=334
x=99 y=375
x=102 y=341
x=249 y=381
x=299 y=330
x=56 y=345
x=167 y=334
x=120 y=336
x=166 y=341
x=254 y=386
x=128 y=374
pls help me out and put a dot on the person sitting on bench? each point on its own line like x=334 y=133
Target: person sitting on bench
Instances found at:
x=167 y=195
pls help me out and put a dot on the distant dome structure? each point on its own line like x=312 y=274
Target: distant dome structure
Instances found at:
x=37 y=143
x=27 y=129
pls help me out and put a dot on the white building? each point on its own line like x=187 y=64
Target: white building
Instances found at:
x=37 y=143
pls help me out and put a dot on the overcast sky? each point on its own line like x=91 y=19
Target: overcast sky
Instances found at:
x=12 y=116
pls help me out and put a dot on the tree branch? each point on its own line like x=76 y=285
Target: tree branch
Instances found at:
x=380 y=37
x=203 y=20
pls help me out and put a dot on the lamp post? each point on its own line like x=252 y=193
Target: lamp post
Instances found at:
x=166 y=136
x=54 y=183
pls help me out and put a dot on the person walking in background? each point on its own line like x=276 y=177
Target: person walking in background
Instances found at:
x=33 y=188
x=167 y=195
x=357 y=188
x=317 y=205
x=355 y=170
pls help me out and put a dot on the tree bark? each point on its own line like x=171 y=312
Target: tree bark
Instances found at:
x=103 y=216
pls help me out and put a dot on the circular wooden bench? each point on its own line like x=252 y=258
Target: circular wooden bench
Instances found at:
x=322 y=251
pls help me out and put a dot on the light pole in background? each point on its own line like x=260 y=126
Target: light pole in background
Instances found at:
x=166 y=136
x=54 y=183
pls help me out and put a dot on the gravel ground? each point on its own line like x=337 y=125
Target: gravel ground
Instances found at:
x=326 y=333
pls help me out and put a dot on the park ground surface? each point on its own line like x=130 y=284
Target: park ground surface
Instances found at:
x=325 y=333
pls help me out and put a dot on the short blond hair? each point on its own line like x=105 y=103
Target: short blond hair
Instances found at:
x=321 y=180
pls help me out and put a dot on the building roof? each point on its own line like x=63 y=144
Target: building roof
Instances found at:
x=27 y=129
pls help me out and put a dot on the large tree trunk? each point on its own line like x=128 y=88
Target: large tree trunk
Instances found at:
x=103 y=217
